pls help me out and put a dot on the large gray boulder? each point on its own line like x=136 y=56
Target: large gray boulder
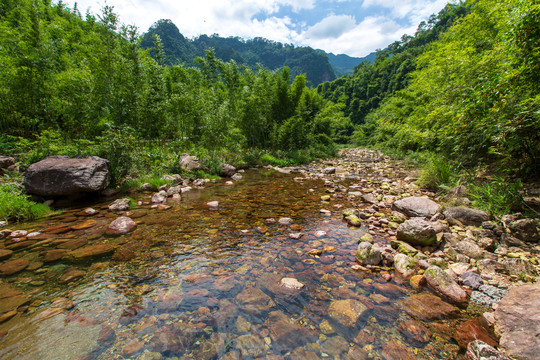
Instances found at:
x=517 y=322
x=415 y=206
x=65 y=176
x=417 y=231
x=461 y=215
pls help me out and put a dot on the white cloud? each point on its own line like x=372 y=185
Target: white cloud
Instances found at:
x=352 y=34
x=332 y=26
x=363 y=38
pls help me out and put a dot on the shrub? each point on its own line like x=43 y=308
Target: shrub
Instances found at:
x=14 y=205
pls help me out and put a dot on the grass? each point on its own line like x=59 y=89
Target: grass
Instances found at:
x=15 y=206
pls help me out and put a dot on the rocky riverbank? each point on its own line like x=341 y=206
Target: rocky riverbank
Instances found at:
x=489 y=267
x=345 y=258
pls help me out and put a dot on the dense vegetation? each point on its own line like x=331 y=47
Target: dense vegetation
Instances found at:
x=475 y=94
x=84 y=86
x=465 y=87
x=363 y=91
x=251 y=53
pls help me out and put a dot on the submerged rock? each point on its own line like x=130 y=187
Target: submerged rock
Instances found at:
x=346 y=312
x=13 y=266
x=428 y=307
x=252 y=300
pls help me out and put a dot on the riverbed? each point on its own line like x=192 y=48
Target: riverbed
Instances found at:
x=206 y=282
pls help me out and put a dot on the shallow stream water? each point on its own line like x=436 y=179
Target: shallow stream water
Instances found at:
x=198 y=282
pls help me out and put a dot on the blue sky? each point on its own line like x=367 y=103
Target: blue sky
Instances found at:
x=352 y=27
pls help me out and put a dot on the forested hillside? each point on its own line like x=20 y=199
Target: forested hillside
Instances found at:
x=82 y=85
x=371 y=82
x=251 y=53
x=475 y=94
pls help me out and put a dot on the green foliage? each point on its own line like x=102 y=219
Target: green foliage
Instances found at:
x=437 y=173
x=496 y=196
x=363 y=91
x=475 y=95
x=15 y=206
x=76 y=87
x=250 y=53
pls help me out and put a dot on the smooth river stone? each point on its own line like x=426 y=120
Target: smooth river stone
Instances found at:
x=253 y=300
x=5 y=254
x=427 y=307
x=90 y=252
x=13 y=266
x=121 y=225
x=346 y=312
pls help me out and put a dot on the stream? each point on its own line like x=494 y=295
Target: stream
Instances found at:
x=199 y=282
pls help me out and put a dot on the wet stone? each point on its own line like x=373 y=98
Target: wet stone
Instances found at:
x=73 y=244
x=472 y=330
x=70 y=276
x=394 y=350
x=90 y=252
x=346 y=312
x=428 y=307
x=13 y=266
x=414 y=331
x=250 y=346
x=54 y=255
x=253 y=300
x=121 y=225
x=5 y=254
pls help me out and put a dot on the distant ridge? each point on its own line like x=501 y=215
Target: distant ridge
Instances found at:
x=345 y=64
x=316 y=64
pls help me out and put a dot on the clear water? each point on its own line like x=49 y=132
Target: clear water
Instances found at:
x=204 y=283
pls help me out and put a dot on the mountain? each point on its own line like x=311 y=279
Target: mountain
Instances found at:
x=345 y=64
x=270 y=54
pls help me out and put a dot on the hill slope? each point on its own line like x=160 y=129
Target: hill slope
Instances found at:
x=272 y=55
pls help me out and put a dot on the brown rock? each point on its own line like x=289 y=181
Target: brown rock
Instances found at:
x=124 y=255
x=59 y=229
x=5 y=254
x=6 y=316
x=427 y=307
x=443 y=285
x=346 y=312
x=394 y=350
x=90 y=252
x=517 y=321
x=85 y=225
x=73 y=244
x=13 y=266
x=472 y=330
x=107 y=336
x=253 y=300
x=132 y=347
x=414 y=331
x=250 y=346
x=286 y=335
x=70 y=276
x=54 y=255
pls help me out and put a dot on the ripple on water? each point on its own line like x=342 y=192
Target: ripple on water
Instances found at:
x=208 y=283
